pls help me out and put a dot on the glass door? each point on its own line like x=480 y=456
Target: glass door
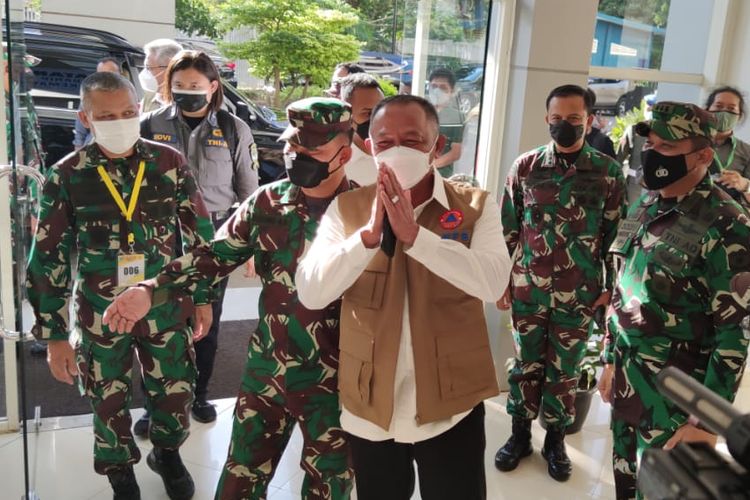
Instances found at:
x=21 y=178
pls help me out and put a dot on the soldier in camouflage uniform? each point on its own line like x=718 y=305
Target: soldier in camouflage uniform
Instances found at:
x=292 y=362
x=673 y=305
x=561 y=207
x=82 y=211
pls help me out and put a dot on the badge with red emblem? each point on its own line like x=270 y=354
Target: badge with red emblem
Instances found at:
x=451 y=219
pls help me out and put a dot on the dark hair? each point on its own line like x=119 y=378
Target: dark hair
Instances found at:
x=405 y=100
x=199 y=61
x=732 y=90
x=104 y=81
x=112 y=60
x=443 y=73
x=352 y=68
x=356 y=81
x=570 y=91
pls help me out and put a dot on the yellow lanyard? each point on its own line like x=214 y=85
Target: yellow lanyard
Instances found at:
x=128 y=211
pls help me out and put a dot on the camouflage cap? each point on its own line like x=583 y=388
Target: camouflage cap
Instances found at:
x=316 y=120
x=674 y=121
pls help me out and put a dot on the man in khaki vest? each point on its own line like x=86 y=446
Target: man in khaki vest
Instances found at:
x=415 y=362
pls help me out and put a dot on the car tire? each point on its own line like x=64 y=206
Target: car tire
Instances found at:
x=622 y=106
x=465 y=103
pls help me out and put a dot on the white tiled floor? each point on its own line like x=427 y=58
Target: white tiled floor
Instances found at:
x=61 y=463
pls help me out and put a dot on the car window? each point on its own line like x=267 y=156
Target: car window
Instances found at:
x=63 y=72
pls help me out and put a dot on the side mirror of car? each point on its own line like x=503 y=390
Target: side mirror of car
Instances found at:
x=243 y=112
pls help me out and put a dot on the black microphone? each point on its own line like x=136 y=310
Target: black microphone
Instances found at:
x=388 y=242
x=714 y=412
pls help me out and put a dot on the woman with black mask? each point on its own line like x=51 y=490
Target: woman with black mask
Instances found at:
x=220 y=150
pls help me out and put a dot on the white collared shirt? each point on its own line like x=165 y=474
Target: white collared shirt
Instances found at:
x=334 y=262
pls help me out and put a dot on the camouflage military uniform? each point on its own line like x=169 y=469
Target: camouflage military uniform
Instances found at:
x=559 y=219
x=291 y=370
x=673 y=305
x=78 y=214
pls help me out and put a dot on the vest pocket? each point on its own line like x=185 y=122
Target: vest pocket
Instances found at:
x=355 y=365
x=464 y=367
x=369 y=289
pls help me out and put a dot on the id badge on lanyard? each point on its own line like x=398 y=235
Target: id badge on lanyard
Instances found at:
x=131 y=266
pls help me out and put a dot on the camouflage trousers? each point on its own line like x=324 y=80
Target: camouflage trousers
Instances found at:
x=264 y=417
x=642 y=417
x=105 y=364
x=550 y=344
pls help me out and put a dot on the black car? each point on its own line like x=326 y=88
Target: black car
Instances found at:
x=68 y=54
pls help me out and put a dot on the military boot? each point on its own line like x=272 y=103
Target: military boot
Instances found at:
x=517 y=447
x=124 y=484
x=558 y=463
x=176 y=478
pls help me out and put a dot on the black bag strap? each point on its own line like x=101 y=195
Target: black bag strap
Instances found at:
x=229 y=131
x=146 y=128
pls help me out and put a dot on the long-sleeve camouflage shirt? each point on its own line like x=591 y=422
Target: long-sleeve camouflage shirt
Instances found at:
x=294 y=348
x=78 y=215
x=673 y=303
x=559 y=220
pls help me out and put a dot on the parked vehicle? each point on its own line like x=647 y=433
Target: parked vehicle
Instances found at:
x=469 y=80
x=68 y=54
x=616 y=96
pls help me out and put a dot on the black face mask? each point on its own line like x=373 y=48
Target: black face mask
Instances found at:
x=190 y=102
x=363 y=129
x=565 y=133
x=307 y=172
x=659 y=171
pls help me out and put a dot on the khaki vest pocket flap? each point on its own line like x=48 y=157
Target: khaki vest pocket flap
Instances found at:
x=463 y=370
x=368 y=290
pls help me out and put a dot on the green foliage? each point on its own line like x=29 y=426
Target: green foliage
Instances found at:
x=298 y=41
x=197 y=17
x=654 y=12
x=622 y=123
x=387 y=87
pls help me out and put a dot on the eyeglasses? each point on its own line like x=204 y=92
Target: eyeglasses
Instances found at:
x=152 y=68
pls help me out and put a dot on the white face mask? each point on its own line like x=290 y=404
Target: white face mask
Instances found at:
x=117 y=136
x=409 y=165
x=438 y=96
x=148 y=81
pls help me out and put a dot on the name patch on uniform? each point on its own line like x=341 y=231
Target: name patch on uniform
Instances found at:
x=216 y=143
x=451 y=219
x=165 y=138
x=625 y=232
x=687 y=243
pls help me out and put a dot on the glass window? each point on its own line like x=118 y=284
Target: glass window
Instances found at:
x=653 y=34
x=450 y=42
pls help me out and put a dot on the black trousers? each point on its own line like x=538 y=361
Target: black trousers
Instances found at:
x=451 y=465
x=205 y=348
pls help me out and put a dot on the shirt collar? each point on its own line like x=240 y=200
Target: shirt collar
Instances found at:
x=438 y=191
x=550 y=158
x=142 y=151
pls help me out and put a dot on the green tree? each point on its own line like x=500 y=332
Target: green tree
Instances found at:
x=197 y=17
x=297 y=41
x=653 y=12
